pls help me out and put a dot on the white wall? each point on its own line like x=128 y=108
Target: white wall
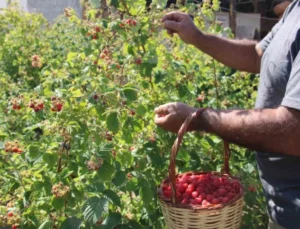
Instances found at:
x=49 y=8
x=3 y=4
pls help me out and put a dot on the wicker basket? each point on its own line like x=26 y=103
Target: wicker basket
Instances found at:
x=179 y=216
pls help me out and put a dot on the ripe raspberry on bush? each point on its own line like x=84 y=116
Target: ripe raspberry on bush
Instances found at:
x=60 y=190
x=36 y=61
x=106 y=54
x=36 y=105
x=130 y=22
x=13 y=147
x=203 y=189
x=16 y=103
x=57 y=104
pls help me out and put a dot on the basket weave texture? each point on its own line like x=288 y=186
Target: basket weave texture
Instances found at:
x=179 y=216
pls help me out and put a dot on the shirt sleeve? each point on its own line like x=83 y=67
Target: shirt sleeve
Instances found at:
x=292 y=94
x=264 y=43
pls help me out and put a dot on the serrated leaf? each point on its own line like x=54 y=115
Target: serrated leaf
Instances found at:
x=93 y=209
x=95 y=187
x=114 y=3
x=112 y=220
x=106 y=172
x=112 y=197
x=182 y=90
x=50 y=158
x=71 y=223
x=112 y=122
x=146 y=192
x=46 y=225
x=130 y=94
x=57 y=203
x=34 y=151
x=141 y=110
x=119 y=179
x=133 y=225
x=77 y=93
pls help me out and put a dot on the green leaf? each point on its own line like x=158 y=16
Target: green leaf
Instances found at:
x=34 y=151
x=112 y=122
x=130 y=94
x=95 y=3
x=76 y=93
x=146 y=192
x=125 y=158
x=50 y=159
x=182 y=90
x=46 y=225
x=71 y=223
x=112 y=220
x=134 y=225
x=58 y=203
x=119 y=179
x=106 y=172
x=93 y=209
x=95 y=187
x=112 y=197
x=141 y=110
x=114 y=3
x=161 y=4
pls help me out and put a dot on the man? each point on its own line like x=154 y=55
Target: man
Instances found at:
x=273 y=127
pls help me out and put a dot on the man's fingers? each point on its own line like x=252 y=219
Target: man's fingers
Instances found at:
x=161 y=110
x=160 y=120
x=170 y=32
x=172 y=25
x=173 y=16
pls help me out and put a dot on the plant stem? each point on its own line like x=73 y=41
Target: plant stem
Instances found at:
x=17 y=171
x=126 y=7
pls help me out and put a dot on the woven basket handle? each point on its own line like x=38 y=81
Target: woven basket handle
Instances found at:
x=175 y=148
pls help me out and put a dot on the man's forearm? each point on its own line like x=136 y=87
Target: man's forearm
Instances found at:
x=266 y=130
x=237 y=54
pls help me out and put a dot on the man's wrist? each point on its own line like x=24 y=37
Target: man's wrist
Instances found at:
x=198 y=124
x=198 y=37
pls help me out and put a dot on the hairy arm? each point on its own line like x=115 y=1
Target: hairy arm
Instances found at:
x=244 y=55
x=267 y=130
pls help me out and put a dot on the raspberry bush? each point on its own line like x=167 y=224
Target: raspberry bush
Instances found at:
x=78 y=146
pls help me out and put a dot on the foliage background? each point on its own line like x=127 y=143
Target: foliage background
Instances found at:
x=58 y=145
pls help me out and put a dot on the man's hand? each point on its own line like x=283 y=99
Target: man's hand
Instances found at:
x=171 y=115
x=182 y=24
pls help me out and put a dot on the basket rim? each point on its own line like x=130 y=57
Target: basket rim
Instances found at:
x=169 y=202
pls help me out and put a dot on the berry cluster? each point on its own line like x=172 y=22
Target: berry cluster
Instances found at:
x=13 y=147
x=10 y=219
x=130 y=22
x=36 y=105
x=201 y=97
x=93 y=32
x=60 y=190
x=108 y=136
x=203 y=189
x=94 y=163
x=36 y=61
x=138 y=61
x=16 y=103
x=105 y=54
x=57 y=104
